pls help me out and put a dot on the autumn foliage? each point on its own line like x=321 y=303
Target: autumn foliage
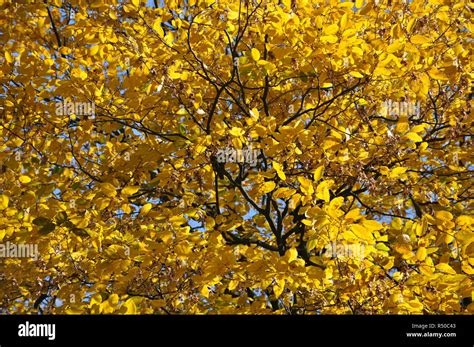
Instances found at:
x=114 y=116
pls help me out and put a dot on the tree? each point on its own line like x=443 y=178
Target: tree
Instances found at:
x=346 y=186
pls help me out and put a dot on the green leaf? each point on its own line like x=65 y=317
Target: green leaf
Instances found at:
x=182 y=129
x=41 y=221
x=80 y=232
x=382 y=247
x=45 y=224
x=61 y=217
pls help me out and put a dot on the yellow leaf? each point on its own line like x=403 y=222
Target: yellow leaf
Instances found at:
x=130 y=190
x=322 y=191
x=184 y=248
x=278 y=288
x=421 y=253
x=130 y=306
x=336 y=203
x=426 y=269
x=343 y=21
x=465 y=267
x=361 y=232
x=8 y=57
x=353 y=214
x=356 y=74
x=79 y=73
x=443 y=215
x=210 y=223
x=419 y=39
x=254 y=113
x=102 y=203
x=329 y=38
x=437 y=74
x=382 y=71
x=95 y=299
x=318 y=173
x=233 y=284
x=415 y=306
x=418 y=128
x=267 y=187
x=255 y=54
x=331 y=29
x=284 y=193
x=236 y=131
x=232 y=14
x=280 y=173
x=410 y=24
x=291 y=254
x=372 y=225
x=382 y=247
x=443 y=267
x=346 y=4
x=108 y=189
x=24 y=179
x=205 y=291
x=306 y=185
x=414 y=137
x=157 y=27
x=3 y=202
x=396 y=172
x=464 y=220
x=146 y=208
x=425 y=83
x=358 y=51
x=93 y=50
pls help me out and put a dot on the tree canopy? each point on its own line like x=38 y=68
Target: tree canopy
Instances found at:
x=358 y=116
